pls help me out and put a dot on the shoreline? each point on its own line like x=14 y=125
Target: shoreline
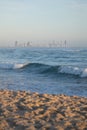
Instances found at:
x=21 y=110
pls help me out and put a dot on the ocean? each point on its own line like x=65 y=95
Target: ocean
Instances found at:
x=44 y=70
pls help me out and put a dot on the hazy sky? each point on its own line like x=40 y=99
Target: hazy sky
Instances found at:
x=25 y=20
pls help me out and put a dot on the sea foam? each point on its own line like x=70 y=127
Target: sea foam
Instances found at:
x=70 y=70
x=10 y=65
x=84 y=73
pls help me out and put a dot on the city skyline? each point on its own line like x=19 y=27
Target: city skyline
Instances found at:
x=40 y=20
x=53 y=43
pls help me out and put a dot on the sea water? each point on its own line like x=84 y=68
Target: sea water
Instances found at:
x=44 y=70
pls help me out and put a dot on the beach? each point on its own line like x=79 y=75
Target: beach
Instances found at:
x=22 y=110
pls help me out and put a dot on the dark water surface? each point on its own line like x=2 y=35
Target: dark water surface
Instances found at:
x=45 y=70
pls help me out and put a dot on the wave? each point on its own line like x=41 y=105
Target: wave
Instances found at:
x=81 y=72
x=46 y=69
x=8 y=65
x=84 y=73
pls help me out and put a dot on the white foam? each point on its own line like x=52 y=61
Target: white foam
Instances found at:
x=84 y=73
x=70 y=70
x=19 y=66
x=9 y=65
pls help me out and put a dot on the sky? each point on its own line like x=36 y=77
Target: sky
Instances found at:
x=27 y=20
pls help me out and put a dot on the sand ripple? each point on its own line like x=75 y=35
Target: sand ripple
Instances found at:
x=20 y=110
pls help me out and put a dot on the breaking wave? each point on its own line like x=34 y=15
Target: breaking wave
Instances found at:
x=9 y=66
x=82 y=72
x=46 y=69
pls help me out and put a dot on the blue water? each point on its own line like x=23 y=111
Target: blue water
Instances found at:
x=44 y=70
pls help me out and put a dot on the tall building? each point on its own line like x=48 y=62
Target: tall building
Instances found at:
x=65 y=43
x=16 y=43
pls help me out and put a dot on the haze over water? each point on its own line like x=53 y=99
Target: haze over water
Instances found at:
x=38 y=20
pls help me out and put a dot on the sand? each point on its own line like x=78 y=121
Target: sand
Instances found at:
x=20 y=110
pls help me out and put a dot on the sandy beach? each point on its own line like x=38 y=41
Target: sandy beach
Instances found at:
x=21 y=110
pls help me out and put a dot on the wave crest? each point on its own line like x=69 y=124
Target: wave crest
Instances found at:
x=8 y=65
x=70 y=70
x=46 y=69
x=82 y=72
x=20 y=66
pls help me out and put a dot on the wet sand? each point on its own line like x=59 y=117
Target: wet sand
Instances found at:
x=20 y=110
